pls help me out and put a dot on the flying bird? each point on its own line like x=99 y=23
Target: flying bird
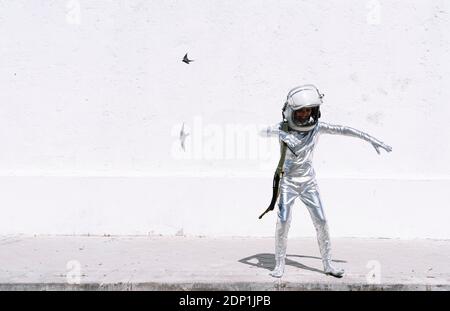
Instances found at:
x=183 y=136
x=186 y=59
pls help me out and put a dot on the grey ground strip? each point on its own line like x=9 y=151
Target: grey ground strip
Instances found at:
x=217 y=263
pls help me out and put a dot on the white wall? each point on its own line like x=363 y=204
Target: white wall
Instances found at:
x=93 y=95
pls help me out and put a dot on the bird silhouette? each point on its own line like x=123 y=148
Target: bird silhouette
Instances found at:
x=186 y=59
x=183 y=136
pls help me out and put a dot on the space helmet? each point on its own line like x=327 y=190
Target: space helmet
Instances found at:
x=304 y=96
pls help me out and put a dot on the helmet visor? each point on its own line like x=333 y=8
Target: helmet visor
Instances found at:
x=303 y=116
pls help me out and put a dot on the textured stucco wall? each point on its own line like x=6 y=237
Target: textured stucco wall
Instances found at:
x=93 y=95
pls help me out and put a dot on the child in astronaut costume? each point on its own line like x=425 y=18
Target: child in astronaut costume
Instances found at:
x=302 y=111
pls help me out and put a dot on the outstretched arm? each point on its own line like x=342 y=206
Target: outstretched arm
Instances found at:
x=349 y=131
x=277 y=130
x=271 y=131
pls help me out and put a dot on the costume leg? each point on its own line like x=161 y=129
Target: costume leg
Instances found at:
x=288 y=194
x=311 y=198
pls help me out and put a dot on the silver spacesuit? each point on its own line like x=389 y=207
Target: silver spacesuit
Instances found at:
x=298 y=179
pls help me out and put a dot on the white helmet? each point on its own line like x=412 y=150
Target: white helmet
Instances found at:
x=301 y=97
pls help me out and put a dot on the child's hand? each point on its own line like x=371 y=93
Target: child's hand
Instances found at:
x=269 y=131
x=378 y=145
x=264 y=132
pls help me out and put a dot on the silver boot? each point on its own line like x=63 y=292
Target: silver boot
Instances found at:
x=278 y=271
x=323 y=238
x=329 y=269
x=281 y=235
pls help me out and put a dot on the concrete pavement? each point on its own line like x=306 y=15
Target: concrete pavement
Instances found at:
x=200 y=263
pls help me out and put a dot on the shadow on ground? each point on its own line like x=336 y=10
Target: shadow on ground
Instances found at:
x=267 y=261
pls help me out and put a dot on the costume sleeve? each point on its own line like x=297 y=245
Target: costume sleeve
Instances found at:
x=276 y=131
x=271 y=131
x=325 y=128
